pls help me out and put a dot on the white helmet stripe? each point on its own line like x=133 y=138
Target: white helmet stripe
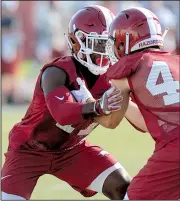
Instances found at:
x=108 y=16
x=149 y=15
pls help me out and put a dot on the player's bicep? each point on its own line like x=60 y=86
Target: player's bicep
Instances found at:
x=52 y=78
x=135 y=118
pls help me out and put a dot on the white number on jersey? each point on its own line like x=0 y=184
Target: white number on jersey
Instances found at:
x=169 y=85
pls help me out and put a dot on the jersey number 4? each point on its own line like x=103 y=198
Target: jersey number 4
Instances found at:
x=169 y=86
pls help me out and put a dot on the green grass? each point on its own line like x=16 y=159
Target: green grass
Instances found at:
x=129 y=146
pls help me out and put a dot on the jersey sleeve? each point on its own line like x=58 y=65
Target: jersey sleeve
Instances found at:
x=125 y=67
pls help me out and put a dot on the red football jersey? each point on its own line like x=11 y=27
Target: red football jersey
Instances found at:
x=153 y=78
x=38 y=130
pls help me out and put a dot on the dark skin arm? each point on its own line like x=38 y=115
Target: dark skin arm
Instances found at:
x=54 y=77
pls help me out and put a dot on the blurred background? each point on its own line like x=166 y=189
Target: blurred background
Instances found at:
x=33 y=33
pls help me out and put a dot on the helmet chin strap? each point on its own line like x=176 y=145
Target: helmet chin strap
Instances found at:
x=95 y=69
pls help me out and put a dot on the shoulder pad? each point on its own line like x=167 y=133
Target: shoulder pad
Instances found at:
x=65 y=63
x=125 y=67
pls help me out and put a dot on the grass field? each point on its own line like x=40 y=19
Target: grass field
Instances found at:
x=129 y=146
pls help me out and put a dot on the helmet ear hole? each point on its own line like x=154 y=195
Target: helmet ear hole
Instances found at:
x=72 y=41
x=75 y=48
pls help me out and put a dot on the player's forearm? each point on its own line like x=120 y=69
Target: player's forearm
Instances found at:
x=102 y=120
x=64 y=110
x=109 y=121
x=135 y=117
x=113 y=119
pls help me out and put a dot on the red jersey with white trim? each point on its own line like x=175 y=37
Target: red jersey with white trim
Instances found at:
x=38 y=130
x=153 y=78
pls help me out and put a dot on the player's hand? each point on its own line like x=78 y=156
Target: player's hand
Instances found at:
x=110 y=101
x=83 y=94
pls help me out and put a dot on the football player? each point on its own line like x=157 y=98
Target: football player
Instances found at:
x=71 y=98
x=151 y=76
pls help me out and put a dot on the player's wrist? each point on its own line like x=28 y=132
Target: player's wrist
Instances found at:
x=88 y=110
x=93 y=109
